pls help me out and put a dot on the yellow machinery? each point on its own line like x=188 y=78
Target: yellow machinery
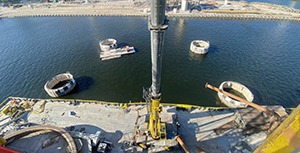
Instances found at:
x=157 y=24
x=151 y=132
x=155 y=125
x=286 y=138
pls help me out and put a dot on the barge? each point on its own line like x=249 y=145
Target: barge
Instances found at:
x=109 y=49
x=69 y=125
x=116 y=53
x=48 y=124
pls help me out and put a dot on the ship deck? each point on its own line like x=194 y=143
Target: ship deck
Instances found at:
x=116 y=123
x=116 y=53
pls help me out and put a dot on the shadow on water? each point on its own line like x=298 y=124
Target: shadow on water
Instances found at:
x=197 y=57
x=212 y=49
x=136 y=50
x=82 y=84
x=123 y=44
x=257 y=96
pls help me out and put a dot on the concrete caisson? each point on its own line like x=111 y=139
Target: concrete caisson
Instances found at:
x=237 y=87
x=60 y=85
x=199 y=46
x=108 y=44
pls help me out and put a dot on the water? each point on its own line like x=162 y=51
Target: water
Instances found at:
x=290 y=3
x=263 y=55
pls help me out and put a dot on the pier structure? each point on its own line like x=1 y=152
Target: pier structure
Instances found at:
x=207 y=15
x=216 y=10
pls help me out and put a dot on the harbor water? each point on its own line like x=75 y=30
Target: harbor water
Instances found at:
x=263 y=55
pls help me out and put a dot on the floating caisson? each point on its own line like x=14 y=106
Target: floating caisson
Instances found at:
x=237 y=87
x=199 y=46
x=60 y=85
x=108 y=44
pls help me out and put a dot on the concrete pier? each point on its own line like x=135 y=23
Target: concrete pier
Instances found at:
x=263 y=11
x=199 y=16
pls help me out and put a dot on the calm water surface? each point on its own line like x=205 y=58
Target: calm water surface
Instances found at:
x=263 y=55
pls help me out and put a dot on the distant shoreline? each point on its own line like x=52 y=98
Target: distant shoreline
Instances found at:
x=263 y=11
x=201 y=16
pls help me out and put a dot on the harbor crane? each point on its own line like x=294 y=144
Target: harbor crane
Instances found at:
x=151 y=132
x=157 y=25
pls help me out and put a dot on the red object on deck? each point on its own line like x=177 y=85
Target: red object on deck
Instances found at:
x=127 y=48
x=7 y=150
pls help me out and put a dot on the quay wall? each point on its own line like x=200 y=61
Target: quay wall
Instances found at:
x=123 y=105
x=191 y=15
x=112 y=104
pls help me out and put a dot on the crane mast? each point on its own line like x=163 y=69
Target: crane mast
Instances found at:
x=152 y=125
x=157 y=24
